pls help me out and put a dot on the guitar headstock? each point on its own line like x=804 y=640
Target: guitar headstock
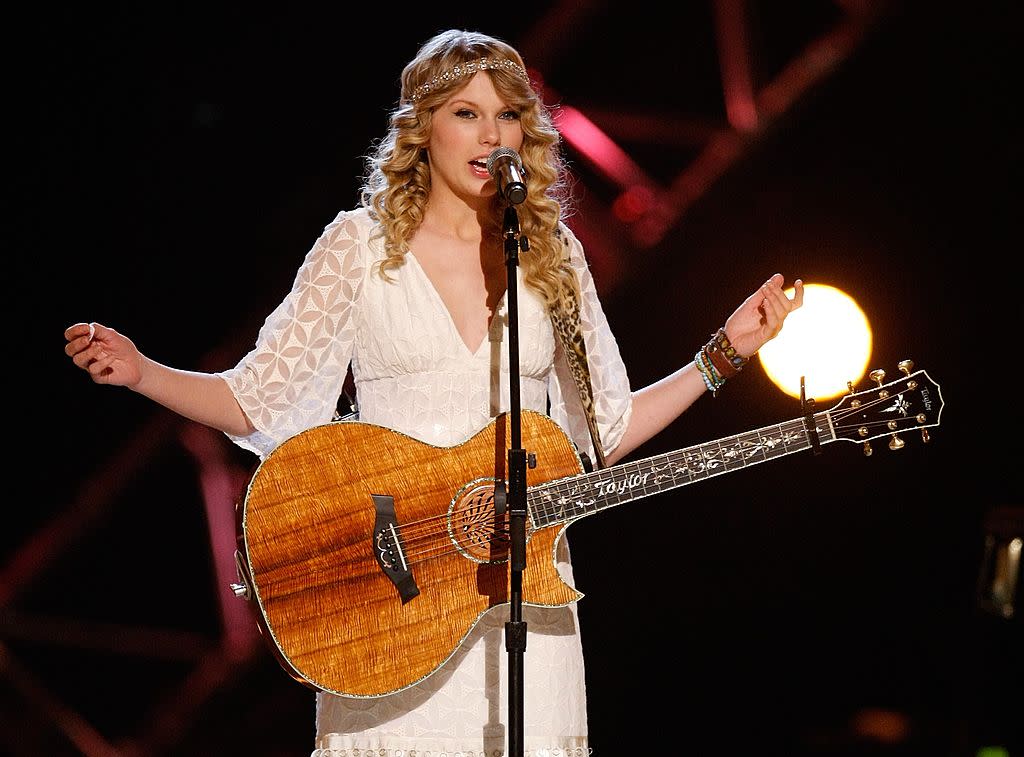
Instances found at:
x=911 y=402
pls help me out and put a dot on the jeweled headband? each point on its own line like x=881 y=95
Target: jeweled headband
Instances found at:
x=468 y=69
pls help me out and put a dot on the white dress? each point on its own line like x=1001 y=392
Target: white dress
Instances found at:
x=414 y=373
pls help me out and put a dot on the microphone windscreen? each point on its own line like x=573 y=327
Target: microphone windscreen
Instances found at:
x=501 y=152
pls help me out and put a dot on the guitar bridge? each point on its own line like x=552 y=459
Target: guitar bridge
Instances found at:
x=387 y=548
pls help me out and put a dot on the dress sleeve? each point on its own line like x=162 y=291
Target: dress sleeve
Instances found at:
x=613 y=402
x=292 y=378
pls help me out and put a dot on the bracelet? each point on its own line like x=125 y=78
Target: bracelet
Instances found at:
x=718 y=361
x=712 y=379
x=720 y=352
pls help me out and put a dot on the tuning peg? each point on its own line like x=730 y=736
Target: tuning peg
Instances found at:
x=867 y=449
x=925 y=436
x=878 y=376
x=906 y=366
x=895 y=442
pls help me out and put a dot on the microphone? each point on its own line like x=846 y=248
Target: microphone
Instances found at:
x=505 y=165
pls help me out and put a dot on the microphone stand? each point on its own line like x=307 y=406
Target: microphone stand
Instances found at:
x=515 y=628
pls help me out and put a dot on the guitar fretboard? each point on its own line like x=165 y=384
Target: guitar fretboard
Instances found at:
x=571 y=498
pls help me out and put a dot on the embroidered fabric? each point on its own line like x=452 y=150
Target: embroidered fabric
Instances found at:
x=414 y=373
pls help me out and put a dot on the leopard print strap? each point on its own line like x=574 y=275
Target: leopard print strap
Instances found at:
x=565 y=316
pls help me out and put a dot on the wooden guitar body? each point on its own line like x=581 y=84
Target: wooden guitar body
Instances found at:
x=308 y=544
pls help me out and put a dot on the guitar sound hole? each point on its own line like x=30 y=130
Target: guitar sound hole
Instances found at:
x=479 y=531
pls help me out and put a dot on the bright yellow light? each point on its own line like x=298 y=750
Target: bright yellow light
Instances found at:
x=828 y=341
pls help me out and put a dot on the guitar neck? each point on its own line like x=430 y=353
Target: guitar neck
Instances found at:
x=567 y=499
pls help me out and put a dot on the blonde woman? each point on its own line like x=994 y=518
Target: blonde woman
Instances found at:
x=408 y=291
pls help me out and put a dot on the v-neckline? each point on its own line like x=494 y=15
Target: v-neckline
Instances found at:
x=448 y=314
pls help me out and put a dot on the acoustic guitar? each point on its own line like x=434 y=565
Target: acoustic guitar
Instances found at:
x=368 y=556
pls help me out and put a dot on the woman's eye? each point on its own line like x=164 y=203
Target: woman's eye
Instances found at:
x=510 y=115
x=464 y=113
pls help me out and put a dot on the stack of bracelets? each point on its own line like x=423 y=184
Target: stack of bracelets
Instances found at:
x=718 y=361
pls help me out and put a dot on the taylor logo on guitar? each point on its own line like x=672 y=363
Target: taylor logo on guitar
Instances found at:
x=369 y=556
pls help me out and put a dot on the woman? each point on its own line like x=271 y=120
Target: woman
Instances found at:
x=408 y=291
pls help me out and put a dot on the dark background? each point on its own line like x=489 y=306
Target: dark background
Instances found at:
x=179 y=161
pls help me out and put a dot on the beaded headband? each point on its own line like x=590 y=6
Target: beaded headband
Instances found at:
x=468 y=69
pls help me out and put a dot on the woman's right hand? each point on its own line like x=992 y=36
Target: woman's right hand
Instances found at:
x=108 y=357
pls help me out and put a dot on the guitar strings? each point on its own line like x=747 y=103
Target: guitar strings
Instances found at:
x=429 y=538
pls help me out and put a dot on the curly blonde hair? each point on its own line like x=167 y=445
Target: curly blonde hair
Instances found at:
x=397 y=180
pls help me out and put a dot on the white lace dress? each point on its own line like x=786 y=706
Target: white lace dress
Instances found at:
x=414 y=373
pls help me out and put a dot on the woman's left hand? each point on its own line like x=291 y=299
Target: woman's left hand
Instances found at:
x=762 y=314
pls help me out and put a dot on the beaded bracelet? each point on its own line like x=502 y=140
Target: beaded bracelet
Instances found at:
x=718 y=361
x=712 y=379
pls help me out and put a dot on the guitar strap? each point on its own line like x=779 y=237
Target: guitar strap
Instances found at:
x=565 y=317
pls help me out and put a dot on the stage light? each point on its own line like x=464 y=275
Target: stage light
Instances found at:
x=827 y=341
